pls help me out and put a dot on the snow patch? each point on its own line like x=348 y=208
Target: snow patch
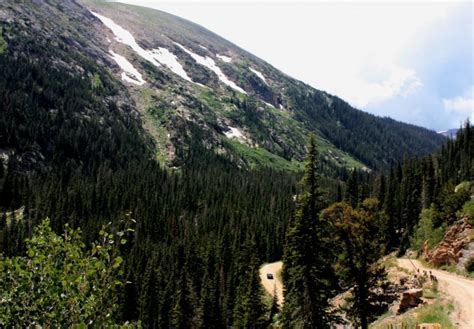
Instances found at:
x=158 y=57
x=130 y=73
x=268 y=104
x=224 y=58
x=126 y=77
x=259 y=74
x=167 y=58
x=203 y=47
x=211 y=65
x=125 y=37
x=234 y=133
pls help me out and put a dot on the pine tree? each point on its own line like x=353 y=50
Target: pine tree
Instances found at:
x=381 y=189
x=249 y=311
x=339 y=192
x=2 y=170
x=390 y=208
x=181 y=314
x=306 y=272
x=360 y=245
x=352 y=191
x=274 y=308
x=428 y=187
x=148 y=303
x=129 y=306
x=209 y=315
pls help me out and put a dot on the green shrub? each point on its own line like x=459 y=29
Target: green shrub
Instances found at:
x=449 y=203
x=431 y=291
x=469 y=265
x=466 y=185
x=425 y=231
x=60 y=282
x=468 y=209
x=436 y=313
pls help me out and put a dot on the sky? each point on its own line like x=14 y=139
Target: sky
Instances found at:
x=412 y=61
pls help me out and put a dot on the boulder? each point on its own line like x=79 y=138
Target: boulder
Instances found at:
x=410 y=298
x=465 y=255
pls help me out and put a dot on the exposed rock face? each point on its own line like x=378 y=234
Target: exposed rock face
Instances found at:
x=450 y=249
x=410 y=298
x=467 y=253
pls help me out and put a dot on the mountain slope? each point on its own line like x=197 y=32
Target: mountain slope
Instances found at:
x=187 y=86
x=60 y=105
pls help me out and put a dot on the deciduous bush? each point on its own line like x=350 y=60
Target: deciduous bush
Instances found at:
x=424 y=230
x=60 y=282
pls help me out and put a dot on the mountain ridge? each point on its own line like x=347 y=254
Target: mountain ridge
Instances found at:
x=190 y=81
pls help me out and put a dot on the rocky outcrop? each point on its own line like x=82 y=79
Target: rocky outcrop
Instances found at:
x=410 y=298
x=467 y=253
x=451 y=248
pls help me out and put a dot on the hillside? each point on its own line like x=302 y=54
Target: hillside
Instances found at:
x=187 y=85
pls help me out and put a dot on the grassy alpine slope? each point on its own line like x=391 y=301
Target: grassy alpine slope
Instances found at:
x=275 y=114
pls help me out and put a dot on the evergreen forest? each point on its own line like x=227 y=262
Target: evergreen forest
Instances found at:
x=94 y=231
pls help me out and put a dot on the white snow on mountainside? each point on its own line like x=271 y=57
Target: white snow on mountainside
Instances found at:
x=130 y=73
x=211 y=65
x=125 y=37
x=158 y=57
x=170 y=60
x=224 y=58
x=259 y=74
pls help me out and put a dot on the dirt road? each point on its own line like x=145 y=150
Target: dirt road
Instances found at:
x=460 y=289
x=269 y=284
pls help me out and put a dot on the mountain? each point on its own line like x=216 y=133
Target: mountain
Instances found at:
x=170 y=86
x=94 y=230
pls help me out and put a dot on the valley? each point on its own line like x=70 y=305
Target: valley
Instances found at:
x=155 y=175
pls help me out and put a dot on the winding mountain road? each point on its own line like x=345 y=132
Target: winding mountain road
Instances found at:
x=272 y=285
x=459 y=288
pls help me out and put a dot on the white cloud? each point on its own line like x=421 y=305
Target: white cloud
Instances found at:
x=393 y=81
x=462 y=105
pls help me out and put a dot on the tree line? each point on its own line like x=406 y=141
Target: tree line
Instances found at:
x=194 y=256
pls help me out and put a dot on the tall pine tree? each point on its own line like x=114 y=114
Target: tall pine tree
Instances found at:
x=352 y=191
x=249 y=310
x=306 y=272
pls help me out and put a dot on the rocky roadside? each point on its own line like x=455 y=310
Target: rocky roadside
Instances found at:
x=455 y=248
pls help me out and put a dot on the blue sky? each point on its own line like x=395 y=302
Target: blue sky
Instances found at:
x=412 y=61
x=442 y=57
